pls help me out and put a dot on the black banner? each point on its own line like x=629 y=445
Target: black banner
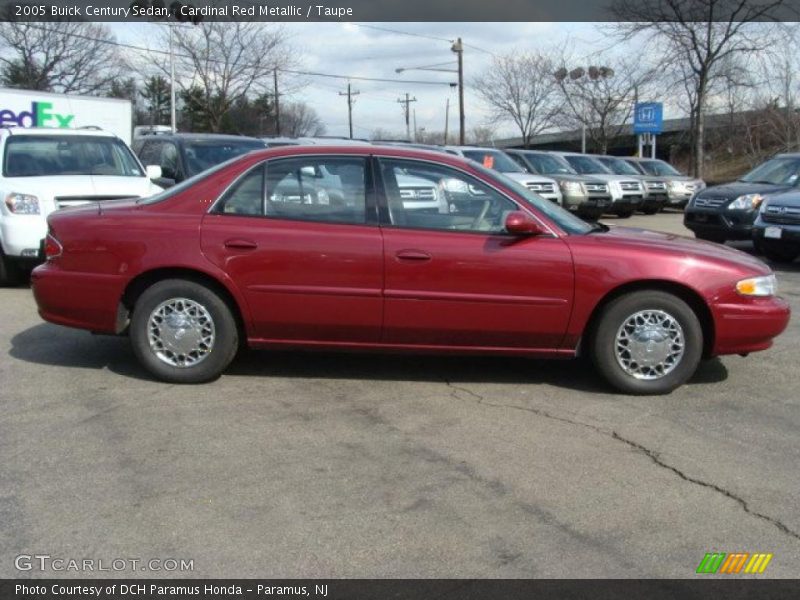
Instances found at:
x=194 y=11
x=397 y=589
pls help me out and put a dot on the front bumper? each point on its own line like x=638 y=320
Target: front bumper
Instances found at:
x=732 y=224
x=790 y=234
x=22 y=235
x=748 y=325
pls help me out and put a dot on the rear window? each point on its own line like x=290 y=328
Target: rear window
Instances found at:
x=59 y=155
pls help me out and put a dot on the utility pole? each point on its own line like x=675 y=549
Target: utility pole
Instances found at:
x=277 y=103
x=406 y=104
x=350 y=101
x=458 y=48
x=446 y=119
x=415 y=125
x=173 y=121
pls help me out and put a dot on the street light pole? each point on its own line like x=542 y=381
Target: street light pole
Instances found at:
x=173 y=117
x=458 y=48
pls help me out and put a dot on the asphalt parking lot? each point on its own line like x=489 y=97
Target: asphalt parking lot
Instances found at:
x=323 y=465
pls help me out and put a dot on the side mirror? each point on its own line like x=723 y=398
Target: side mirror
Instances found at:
x=153 y=171
x=164 y=182
x=519 y=223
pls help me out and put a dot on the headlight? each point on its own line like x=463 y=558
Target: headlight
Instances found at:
x=22 y=204
x=746 y=202
x=675 y=186
x=766 y=285
x=572 y=187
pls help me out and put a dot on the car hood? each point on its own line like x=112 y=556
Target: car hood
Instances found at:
x=678 y=245
x=608 y=177
x=81 y=188
x=735 y=189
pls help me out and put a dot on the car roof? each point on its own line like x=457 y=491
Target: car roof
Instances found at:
x=96 y=131
x=201 y=136
x=365 y=150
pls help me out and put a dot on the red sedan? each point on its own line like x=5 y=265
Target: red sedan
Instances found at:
x=387 y=248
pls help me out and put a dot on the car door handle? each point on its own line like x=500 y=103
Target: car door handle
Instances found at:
x=239 y=244
x=412 y=255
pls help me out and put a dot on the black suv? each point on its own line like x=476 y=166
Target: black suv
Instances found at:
x=727 y=212
x=776 y=232
x=182 y=155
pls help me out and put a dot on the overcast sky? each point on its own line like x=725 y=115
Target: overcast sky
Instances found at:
x=357 y=50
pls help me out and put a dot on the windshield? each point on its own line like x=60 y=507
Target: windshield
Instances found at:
x=778 y=171
x=585 y=165
x=565 y=220
x=204 y=154
x=186 y=183
x=618 y=166
x=547 y=164
x=659 y=167
x=494 y=159
x=55 y=155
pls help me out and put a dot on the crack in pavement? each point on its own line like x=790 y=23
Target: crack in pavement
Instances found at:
x=653 y=456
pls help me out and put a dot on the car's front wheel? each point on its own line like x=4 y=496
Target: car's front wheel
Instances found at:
x=647 y=342
x=183 y=332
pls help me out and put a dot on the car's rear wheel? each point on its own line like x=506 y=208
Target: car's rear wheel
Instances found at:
x=651 y=210
x=625 y=214
x=647 y=342
x=183 y=332
x=10 y=272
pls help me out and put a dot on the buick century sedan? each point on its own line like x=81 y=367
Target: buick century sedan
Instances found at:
x=318 y=247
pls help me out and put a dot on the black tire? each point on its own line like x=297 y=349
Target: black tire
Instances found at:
x=651 y=210
x=225 y=333
x=10 y=272
x=777 y=254
x=603 y=343
x=625 y=214
x=710 y=237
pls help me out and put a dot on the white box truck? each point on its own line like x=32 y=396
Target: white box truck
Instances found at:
x=28 y=108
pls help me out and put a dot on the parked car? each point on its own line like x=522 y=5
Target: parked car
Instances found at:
x=277 y=141
x=46 y=169
x=491 y=158
x=227 y=257
x=183 y=155
x=655 y=189
x=627 y=193
x=585 y=196
x=776 y=231
x=680 y=187
x=727 y=212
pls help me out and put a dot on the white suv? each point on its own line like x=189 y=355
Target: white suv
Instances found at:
x=42 y=170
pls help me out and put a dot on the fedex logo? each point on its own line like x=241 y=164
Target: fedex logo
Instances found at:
x=40 y=115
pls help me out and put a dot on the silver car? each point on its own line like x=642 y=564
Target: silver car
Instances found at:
x=680 y=188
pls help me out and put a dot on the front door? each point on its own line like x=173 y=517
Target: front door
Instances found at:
x=454 y=277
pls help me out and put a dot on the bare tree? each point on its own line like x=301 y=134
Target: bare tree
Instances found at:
x=226 y=61
x=60 y=56
x=481 y=135
x=601 y=99
x=519 y=87
x=701 y=35
x=299 y=119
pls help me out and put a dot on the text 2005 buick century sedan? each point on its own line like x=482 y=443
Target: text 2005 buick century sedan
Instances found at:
x=326 y=247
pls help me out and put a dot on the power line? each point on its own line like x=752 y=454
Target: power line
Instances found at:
x=397 y=31
x=282 y=70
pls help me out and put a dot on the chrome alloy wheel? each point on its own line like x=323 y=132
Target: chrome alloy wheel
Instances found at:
x=181 y=332
x=649 y=344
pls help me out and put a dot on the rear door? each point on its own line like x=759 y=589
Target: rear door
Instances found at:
x=299 y=237
x=454 y=277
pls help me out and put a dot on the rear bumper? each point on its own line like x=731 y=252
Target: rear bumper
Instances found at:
x=82 y=300
x=749 y=326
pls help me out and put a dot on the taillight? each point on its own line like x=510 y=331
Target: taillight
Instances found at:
x=52 y=247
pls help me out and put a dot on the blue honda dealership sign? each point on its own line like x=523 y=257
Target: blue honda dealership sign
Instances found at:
x=648 y=117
